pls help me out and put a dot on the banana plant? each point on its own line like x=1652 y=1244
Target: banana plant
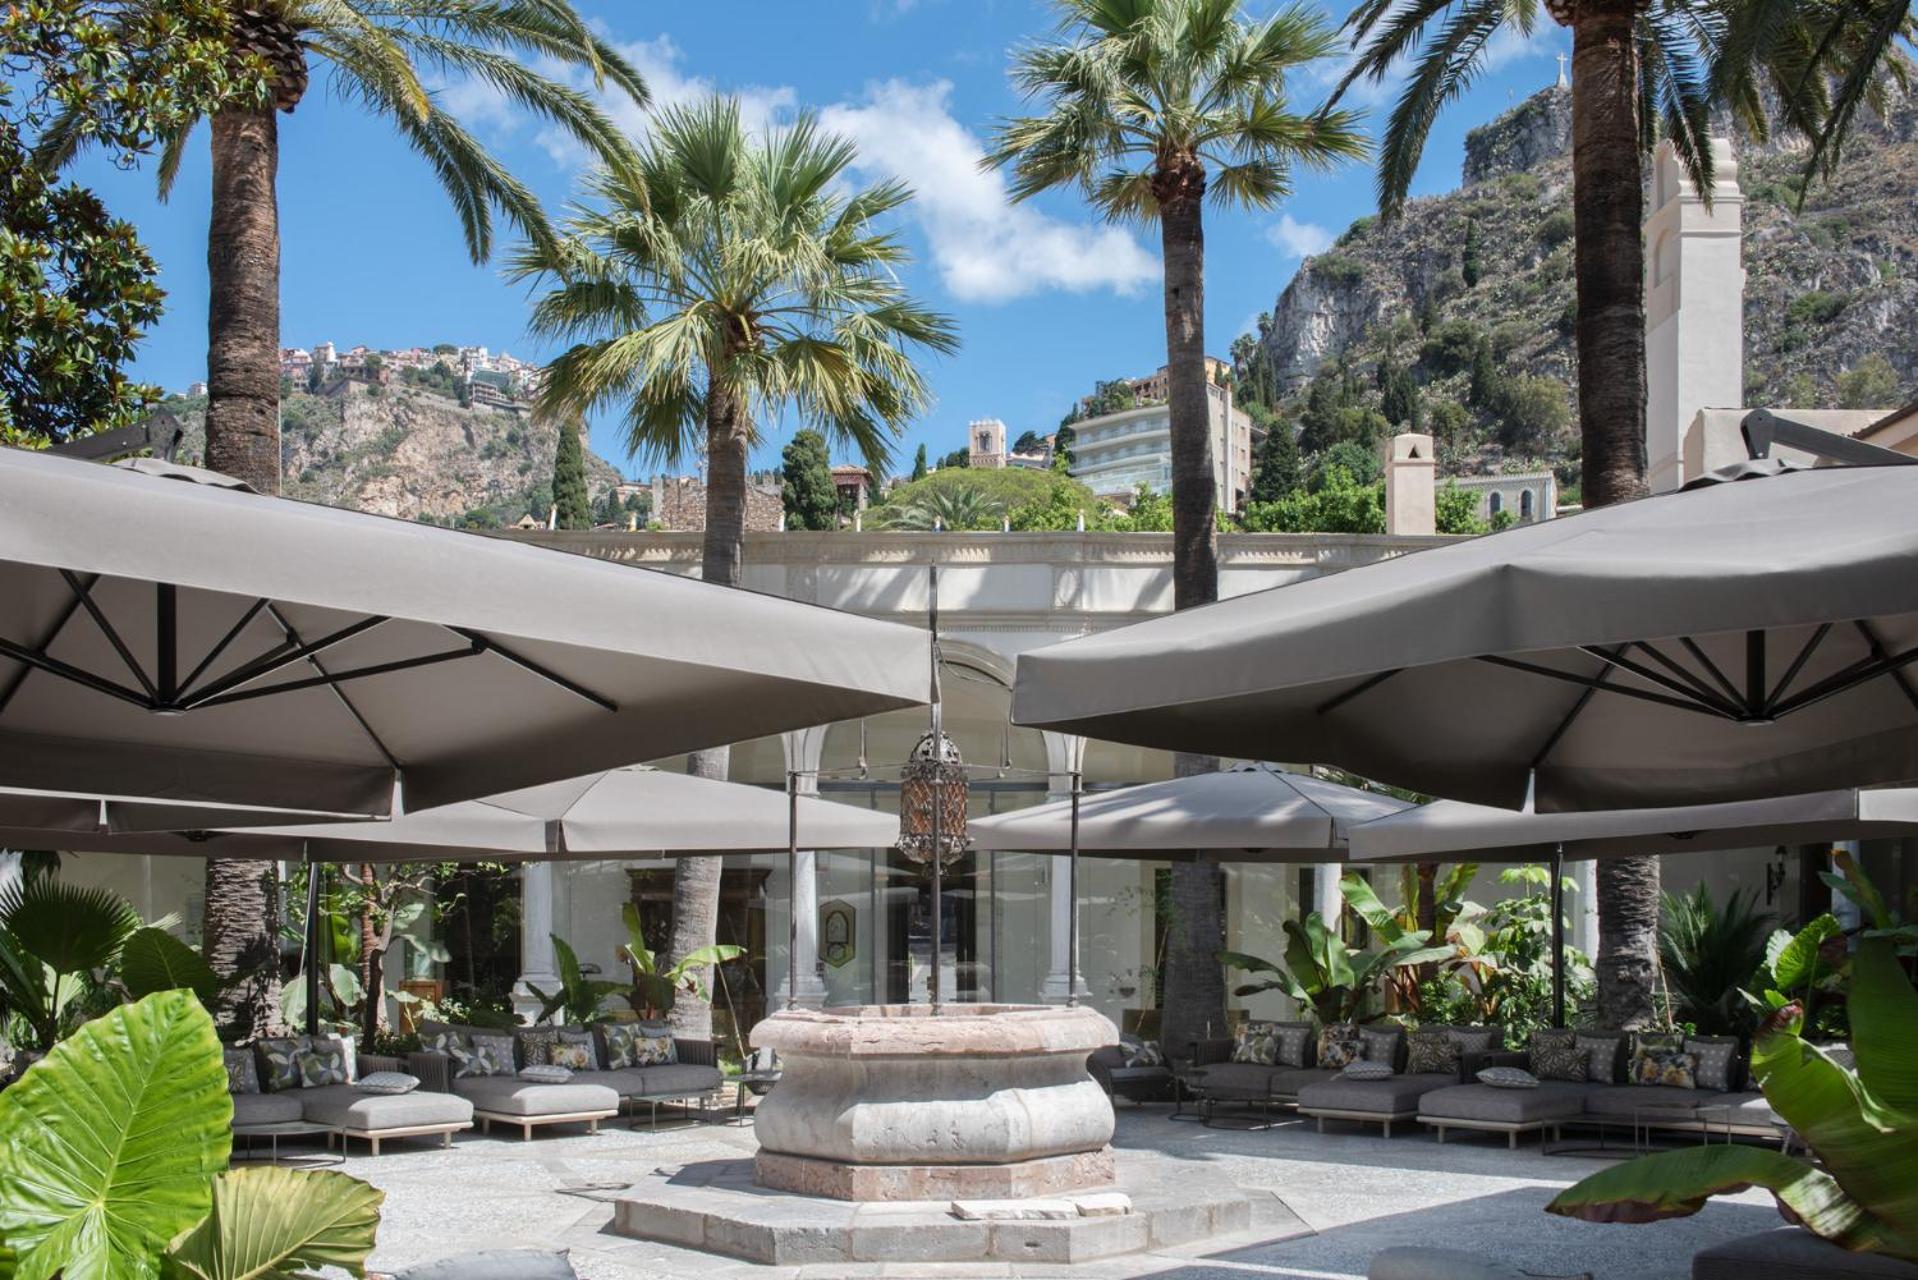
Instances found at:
x=654 y=989
x=1862 y=1125
x=113 y=1150
x=1458 y=942
x=577 y=997
x=1325 y=975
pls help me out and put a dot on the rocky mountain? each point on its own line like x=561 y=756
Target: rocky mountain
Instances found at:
x=409 y=451
x=1832 y=289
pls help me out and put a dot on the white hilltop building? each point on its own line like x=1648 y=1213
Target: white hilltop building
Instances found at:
x=1002 y=594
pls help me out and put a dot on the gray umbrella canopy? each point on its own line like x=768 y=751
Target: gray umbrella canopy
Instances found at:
x=186 y=643
x=622 y=813
x=1737 y=641
x=1250 y=814
x=1450 y=830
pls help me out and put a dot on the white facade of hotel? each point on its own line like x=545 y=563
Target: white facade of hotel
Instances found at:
x=1118 y=452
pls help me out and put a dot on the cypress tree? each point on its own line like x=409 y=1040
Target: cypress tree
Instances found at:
x=805 y=485
x=1276 y=468
x=919 y=463
x=569 y=480
x=1468 y=264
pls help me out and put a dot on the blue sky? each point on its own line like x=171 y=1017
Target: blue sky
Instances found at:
x=1047 y=298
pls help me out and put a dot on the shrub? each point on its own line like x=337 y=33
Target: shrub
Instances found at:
x=1555 y=229
x=1535 y=409
x=1507 y=337
x=1336 y=268
x=1820 y=306
x=1449 y=347
x=1359 y=227
x=1871 y=384
x=1524 y=186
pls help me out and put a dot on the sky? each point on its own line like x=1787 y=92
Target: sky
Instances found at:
x=1048 y=298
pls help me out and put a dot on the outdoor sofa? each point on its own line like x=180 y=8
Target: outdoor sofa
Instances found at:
x=1134 y=1069
x=484 y=1066
x=1432 y=1057
x=1714 y=1100
x=1279 y=1064
x=306 y=1080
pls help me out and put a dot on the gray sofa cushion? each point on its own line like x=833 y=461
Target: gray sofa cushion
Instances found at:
x=627 y=1082
x=266 y=1108
x=344 y=1107
x=685 y=1078
x=1743 y=1109
x=1394 y=1096
x=1552 y=1100
x=1250 y=1080
x=1791 y=1254
x=507 y=1096
x=1623 y=1100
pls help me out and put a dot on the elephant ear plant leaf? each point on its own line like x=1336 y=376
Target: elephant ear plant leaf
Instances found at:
x=1863 y=1127
x=269 y=1223
x=107 y=1146
x=154 y=960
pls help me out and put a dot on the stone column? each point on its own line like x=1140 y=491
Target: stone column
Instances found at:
x=803 y=752
x=1063 y=754
x=1584 y=905
x=536 y=964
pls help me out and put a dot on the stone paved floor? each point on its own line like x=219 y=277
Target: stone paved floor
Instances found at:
x=1357 y=1192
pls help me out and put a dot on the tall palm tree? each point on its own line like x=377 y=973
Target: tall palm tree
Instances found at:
x=1150 y=105
x=382 y=54
x=721 y=282
x=1638 y=72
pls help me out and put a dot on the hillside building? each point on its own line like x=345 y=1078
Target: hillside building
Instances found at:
x=1116 y=453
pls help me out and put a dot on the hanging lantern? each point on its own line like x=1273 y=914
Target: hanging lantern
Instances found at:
x=933 y=781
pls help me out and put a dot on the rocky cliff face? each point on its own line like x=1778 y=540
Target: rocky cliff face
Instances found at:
x=1828 y=285
x=408 y=452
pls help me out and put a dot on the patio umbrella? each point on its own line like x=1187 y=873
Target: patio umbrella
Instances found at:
x=1735 y=641
x=622 y=813
x=1253 y=813
x=1448 y=829
x=170 y=638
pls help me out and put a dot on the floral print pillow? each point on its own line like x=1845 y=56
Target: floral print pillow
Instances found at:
x=1670 y=1070
x=489 y=1056
x=1340 y=1047
x=653 y=1047
x=574 y=1052
x=1255 y=1042
x=242 y=1074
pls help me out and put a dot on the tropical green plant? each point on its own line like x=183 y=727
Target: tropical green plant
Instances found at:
x=1861 y=1125
x=577 y=996
x=113 y=1150
x=1433 y=908
x=574 y=506
x=952 y=507
x=1710 y=952
x=56 y=938
x=1808 y=968
x=153 y=960
x=1324 y=974
x=654 y=989
x=723 y=281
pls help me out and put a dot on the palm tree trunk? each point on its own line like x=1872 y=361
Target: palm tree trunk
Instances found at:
x=696 y=880
x=1193 y=990
x=1609 y=211
x=243 y=440
x=372 y=960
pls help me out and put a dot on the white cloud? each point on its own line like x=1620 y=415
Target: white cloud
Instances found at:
x=986 y=248
x=1299 y=239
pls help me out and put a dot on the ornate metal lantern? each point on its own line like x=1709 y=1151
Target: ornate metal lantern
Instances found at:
x=932 y=797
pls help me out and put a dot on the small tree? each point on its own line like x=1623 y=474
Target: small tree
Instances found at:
x=569 y=480
x=805 y=486
x=919 y=468
x=1062 y=442
x=1468 y=263
x=1277 y=468
x=957 y=458
x=1871 y=384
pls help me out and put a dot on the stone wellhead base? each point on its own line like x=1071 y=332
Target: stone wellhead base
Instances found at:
x=1023 y=1180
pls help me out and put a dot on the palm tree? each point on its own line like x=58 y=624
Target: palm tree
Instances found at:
x=956 y=507
x=377 y=50
x=722 y=281
x=1637 y=73
x=1150 y=104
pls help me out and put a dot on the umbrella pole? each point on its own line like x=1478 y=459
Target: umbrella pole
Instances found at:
x=1558 y=935
x=1072 y=902
x=312 y=966
x=792 y=889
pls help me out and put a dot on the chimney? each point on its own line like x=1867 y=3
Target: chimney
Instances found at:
x=1694 y=307
x=1409 y=470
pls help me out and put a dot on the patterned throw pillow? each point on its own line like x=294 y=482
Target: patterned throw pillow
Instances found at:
x=1671 y=1070
x=1433 y=1052
x=1600 y=1051
x=387 y=1082
x=1556 y=1056
x=653 y=1045
x=280 y=1061
x=1294 y=1037
x=545 y=1074
x=1255 y=1042
x=1714 y=1056
x=242 y=1075
x=575 y=1051
x=322 y=1064
x=1367 y=1070
x=1381 y=1044
x=533 y=1046
x=490 y=1056
x=618 y=1039
x=1340 y=1046
x=448 y=1044
x=1475 y=1039
x=1143 y=1053
x=1508 y=1078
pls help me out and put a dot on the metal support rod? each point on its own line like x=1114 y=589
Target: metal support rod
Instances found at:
x=938 y=886
x=792 y=889
x=1072 y=901
x=939 y=782
x=872 y=929
x=1558 y=935
x=311 y=966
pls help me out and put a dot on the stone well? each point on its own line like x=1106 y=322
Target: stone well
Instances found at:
x=894 y=1102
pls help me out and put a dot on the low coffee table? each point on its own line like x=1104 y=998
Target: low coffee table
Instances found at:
x=742 y=1085
x=278 y=1129
x=697 y=1108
